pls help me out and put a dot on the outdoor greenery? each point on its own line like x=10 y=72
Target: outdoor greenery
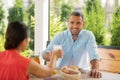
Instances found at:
x=59 y=16
x=55 y=26
x=31 y=24
x=17 y=12
x=1 y=42
x=115 y=29
x=2 y=27
x=65 y=11
x=95 y=19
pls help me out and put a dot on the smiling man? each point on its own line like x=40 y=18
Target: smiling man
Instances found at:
x=78 y=45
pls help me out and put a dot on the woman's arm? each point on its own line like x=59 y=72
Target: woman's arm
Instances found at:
x=44 y=71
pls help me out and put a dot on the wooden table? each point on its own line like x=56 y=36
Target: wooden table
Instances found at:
x=85 y=76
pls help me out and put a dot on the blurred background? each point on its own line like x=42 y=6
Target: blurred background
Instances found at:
x=102 y=17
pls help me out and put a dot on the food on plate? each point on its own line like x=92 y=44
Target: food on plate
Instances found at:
x=70 y=70
x=73 y=67
x=70 y=73
x=55 y=72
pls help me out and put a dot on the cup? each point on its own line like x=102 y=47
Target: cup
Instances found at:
x=35 y=57
x=57 y=47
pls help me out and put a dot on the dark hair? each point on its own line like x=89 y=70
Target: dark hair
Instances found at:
x=15 y=34
x=77 y=13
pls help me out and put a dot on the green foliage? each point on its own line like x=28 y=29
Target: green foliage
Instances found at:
x=32 y=27
x=2 y=16
x=2 y=27
x=16 y=13
x=65 y=11
x=95 y=19
x=1 y=42
x=26 y=53
x=31 y=23
x=18 y=3
x=55 y=26
x=115 y=29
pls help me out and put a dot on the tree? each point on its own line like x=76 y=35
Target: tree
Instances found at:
x=16 y=13
x=65 y=11
x=2 y=16
x=95 y=19
x=55 y=26
x=2 y=27
x=31 y=24
x=115 y=29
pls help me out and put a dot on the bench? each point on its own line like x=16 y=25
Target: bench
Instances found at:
x=109 y=58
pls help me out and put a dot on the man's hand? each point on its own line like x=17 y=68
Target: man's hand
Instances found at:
x=54 y=56
x=58 y=53
x=95 y=69
x=95 y=73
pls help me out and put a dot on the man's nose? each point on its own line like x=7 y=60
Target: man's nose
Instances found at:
x=74 y=25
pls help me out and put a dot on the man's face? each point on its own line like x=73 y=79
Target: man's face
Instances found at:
x=75 y=24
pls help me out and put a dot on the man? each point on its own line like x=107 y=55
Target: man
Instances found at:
x=77 y=44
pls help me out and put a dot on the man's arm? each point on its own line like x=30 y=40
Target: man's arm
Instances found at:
x=95 y=64
x=95 y=69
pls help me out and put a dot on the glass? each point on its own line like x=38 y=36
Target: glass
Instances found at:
x=35 y=57
x=56 y=47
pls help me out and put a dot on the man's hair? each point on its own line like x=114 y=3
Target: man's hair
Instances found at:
x=15 y=34
x=77 y=13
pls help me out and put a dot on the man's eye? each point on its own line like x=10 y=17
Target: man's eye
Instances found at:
x=78 y=22
x=71 y=22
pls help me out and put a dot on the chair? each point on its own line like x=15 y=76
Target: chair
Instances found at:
x=45 y=62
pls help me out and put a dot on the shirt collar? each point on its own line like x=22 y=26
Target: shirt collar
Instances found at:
x=69 y=33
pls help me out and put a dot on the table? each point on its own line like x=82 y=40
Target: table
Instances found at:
x=85 y=76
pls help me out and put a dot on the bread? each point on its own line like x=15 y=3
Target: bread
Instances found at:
x=70 y=70
x=70 y=73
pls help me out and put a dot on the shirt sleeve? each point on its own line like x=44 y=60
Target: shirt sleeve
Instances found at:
x=56 y=41
x=92 y=47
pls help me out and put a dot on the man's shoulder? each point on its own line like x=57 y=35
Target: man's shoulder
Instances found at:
x=86 y=31
x=63 y=33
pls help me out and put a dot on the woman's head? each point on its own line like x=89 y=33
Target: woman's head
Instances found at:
x=16 y=33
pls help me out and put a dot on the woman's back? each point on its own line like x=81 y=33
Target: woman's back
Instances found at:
x=13 y=66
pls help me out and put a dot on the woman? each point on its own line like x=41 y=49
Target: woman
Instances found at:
x=13 y=66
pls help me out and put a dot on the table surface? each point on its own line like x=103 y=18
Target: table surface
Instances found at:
x=85 y=76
